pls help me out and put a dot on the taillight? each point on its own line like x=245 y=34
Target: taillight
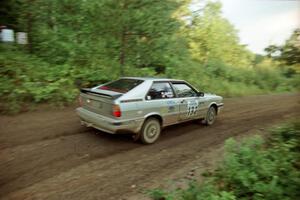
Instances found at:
x=80 y=101
x=117 y=111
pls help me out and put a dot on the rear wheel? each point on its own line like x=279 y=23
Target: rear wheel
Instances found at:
x=210 y=116
x=150 y=131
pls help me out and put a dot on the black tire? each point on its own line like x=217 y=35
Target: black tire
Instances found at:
x=210 y=117
x=150 y=131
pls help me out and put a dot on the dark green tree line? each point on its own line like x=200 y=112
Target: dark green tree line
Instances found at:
x=80 y=43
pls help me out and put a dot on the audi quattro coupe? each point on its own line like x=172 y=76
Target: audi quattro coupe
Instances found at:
x=143 y=106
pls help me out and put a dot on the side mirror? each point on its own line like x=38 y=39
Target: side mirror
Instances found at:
x=200 y=94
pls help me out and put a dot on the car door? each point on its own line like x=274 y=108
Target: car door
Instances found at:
x=190 y=104
x=160 y=99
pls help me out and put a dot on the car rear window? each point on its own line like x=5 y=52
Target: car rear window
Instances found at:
x=121 y=85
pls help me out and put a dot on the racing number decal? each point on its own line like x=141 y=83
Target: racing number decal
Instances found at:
x=192 y=107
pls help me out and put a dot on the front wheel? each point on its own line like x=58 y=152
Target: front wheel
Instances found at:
x=210 y=116
x=150 y=131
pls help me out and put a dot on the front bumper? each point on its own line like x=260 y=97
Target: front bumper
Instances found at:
x=106 y=124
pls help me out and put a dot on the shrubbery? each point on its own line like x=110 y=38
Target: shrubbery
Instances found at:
x=25 y=79
x=254 y=169
x=28 y=79
x=74 y=44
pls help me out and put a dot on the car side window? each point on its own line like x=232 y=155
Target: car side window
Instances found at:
x=160 y=90
x=184 y=90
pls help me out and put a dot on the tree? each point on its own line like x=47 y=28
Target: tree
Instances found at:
x=212 y=37
x=141 y=37
x=8 y=15
x=128 y=32
x=287 y=54
x=290 y=52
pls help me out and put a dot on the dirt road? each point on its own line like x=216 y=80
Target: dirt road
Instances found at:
x=46 y=154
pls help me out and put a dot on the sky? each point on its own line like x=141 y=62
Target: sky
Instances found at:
x=262 y=22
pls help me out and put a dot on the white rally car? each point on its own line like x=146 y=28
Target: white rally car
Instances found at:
x=143 y=106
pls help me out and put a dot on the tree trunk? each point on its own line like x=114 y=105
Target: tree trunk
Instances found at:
x=29 y=24
x=123 y=42
x=122 y=52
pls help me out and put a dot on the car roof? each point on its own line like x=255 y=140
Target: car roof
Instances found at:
x=151 y=78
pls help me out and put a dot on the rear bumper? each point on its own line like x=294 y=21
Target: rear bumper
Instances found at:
x=109 y=125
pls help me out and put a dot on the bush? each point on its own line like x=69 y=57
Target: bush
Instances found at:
x=28 y=79
x=253 y=169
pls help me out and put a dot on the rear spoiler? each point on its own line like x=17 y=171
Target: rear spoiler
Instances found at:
x=89 y=91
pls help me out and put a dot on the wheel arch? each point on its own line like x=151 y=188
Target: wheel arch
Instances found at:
x=154 y=115
x=214 y=104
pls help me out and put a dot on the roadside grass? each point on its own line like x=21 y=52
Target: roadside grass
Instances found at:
x=254 y=169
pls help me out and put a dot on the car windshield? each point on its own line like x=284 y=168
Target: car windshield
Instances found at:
x=121 y=85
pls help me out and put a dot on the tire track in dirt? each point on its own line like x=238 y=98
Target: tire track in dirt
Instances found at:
x=82 y=149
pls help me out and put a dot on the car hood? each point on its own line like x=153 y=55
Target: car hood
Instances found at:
x=213 y=96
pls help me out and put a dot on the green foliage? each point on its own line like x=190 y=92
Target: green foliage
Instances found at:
x=253 y=169
x=78 y=43
x=107 y=32
x=25 y=78
x=222 y=79
x=289 y=53
x=211 y=36
x=158 y=194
